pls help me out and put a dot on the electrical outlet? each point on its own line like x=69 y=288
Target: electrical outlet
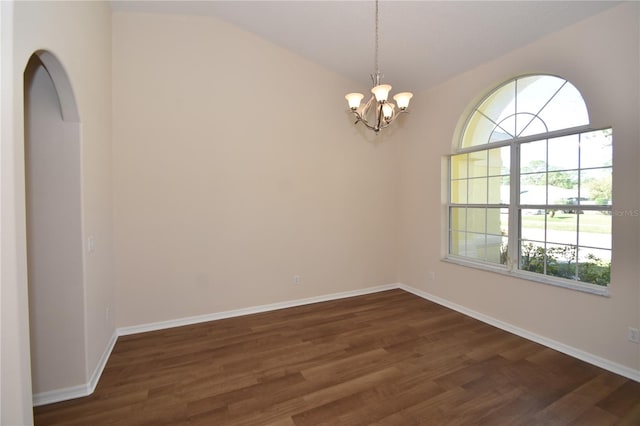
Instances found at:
x=296 y=279
x=633 y=335
x=432 y=275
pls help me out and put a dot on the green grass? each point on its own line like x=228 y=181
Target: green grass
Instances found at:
x=596 y=223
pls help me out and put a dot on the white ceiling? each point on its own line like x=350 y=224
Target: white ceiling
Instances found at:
x=422 y=43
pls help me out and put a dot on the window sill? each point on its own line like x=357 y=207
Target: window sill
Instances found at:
x=529 y=276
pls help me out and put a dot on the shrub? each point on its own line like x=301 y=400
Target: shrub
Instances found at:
x=560 y=262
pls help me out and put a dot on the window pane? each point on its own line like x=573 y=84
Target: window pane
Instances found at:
x=564 y=152
x=459 y=166
x=499 y=134
x=505 y=130
x=534 y=127
x=459 y=191
x=500 y=104
x=492 y=249
x=533 y=189
x=535 y=91
x=457 y=244
x=476 y=220
x=477 y=131
x=504 y=250
x=499 y=161
x=533 y=157
x=504 y=221
x=532 y=224
x=496 y=249
x=596 y=149
x=566 y=109
x=478 y=191
x=595 y=230
x=595 y=186
x=476 y=246
x=594 y=266
x=478 y=164
x=533 y=185
x=524 y=121
x=562 y=228
x=494 y=221
x=561 y=260
x=532 y=256
x=498 y=190
x=458 y=218
x=563 y=187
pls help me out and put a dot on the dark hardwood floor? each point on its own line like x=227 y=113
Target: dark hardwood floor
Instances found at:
x=388 y=358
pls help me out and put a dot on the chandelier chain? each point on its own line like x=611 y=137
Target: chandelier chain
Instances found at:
x=377 y=40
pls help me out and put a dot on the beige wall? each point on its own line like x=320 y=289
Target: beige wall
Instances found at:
x=236 y=167
x=78 y=34
x=599 y=56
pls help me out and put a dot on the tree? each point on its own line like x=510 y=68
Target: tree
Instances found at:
x=600 y=189
x=542 y=176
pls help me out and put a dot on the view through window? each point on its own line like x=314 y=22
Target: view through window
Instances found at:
x=530 y=186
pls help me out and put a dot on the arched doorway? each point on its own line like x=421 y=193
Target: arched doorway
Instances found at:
x=54 y=232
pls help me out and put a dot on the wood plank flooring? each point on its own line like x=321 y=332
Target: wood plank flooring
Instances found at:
x=388 y=358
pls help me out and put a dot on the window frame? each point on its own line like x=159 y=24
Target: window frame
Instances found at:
x=512 y=266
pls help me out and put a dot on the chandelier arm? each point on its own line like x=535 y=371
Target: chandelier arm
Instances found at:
x=361 y=119
x=369 y=126
x=395 y=115
x=380 y=118
x=367 y=106
x=384 y=124
x=381 y=122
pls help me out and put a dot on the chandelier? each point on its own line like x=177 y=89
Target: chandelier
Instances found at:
x=378 y=112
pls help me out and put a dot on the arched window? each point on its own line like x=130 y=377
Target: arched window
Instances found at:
x=530 y=186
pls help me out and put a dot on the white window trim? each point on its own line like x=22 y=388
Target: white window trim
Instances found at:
x=511 y=268
x=529 y=276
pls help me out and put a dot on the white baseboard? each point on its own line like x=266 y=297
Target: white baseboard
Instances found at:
x=97 y=372
x=88 y=388
x=606 y=364
x=57 y=395
x=79 y=391
x=124 y=331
